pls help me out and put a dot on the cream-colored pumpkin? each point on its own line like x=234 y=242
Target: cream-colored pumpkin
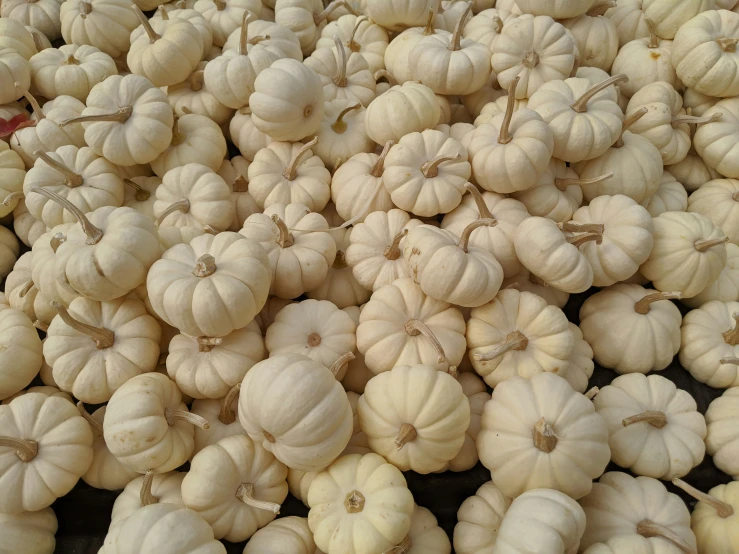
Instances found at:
x=342 y=133
x=127 y=120
x=195 y=139
x=559 y=9
x=726 y=287
x=425 y=535
x=44 y=260
x=31 y=532
x=346 y=501
x=478 y=520
x=670 y=197
x=151 y=488
x=27 y=228
x=14 y=68
x=477 y=395
x=518 y=334
x=670 y=15
x=360 y=35
x=344 y=74
x=221 y=414
x=596 y=36
x=556 y=194
x=186 y=12
x=581 y=365
x=567 y=433
x=43 y=16
x=70 y=70
x=634 y=544
x=697 y=102
x=287 y=535
x=715 y=142
x=425 y=173
x=623 y=505
x=689 y=253
x=280 y=37
x=630 y=329
x=693 y=171
x=147 y=426
x=535 y=48
x=48 y=390
x=305 y=18
x=45 y=449
x=104 y=24
x=23 y=294
x=655 y=429
x=400 y=14
x=9 y=249
x=420 y=426
x=289 y=173
x=14 y=35
x=524 y=280
x=193 y=96
x=718 y=200
x=225 y=16
x=402 y=110
x=20 y=359
x=400 y=325
x=398 y=50
x=551 y=520
x=486 y=25
x=235 y=172
x=722 y=440
x=296 y=436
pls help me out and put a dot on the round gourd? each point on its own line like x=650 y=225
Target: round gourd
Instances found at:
x=31 y=532
x=425 y=535
x=670 y=197
x=305 y=18
x=287 y=535
x=45 y=448
x=634 y=544
x=521 y=408
x=12 y=174
x=23 y=294
x=400 y=14
x=9 y=249
x=478 y=520
x=715 y=142
x=195 y=139
x=596 y=36
x=360 y=35
x=27 y=228
x=280 y=37
x=713 y=517
x=234 y=172
x=42 y=15
x=718 y=200
x=486 y=24
x=104 y=24
x=581 y=365
x=20 y=357
x=477 y=395
x=14 y=68
x=193 y=96
x=654 y=428
x=697 y=102
x=222 y=414
x=629 y=19
x=402 y=110
x=692 y=172
x=726 y=287
x=189 y=14
x=42 y=271
x=524 y=280
x=399 y=49
x=415 y=417
x=669 y=16
x=148 y=489
x=344 y=74
x=722 y=440
x=555 y=195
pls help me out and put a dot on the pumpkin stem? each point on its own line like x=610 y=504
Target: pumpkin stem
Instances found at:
x=728 y=44
x=85 y=8
x=562 y=184
x=734 y=361
x=497 y=24
x=339 y=126
x=723 y=509
x=591 y=393
x=72 y=179
x=26 y=450
x=142 y=195
x=12 y=197
x=642 y=306
x=177 y=137
x=285 y=240
x=269 y=436
x=227 y=415
x=732 y=335
x=406 y=434
x=464 y=239
x=578 y=240
x=257 y=39
x=544 y=437
x=415 y=327
x=196 y=80
x=318 y=18
x=429 y=29
x=581 y=104
x=354 y=502
x=94 y=235
x=693 y=120
x=505 y=137
x=206 y=344
x=653 y=38
x=314 y=339
x=654 y=418
x=431 y=168
x=182 y=205
x=104 y=338
x=702 y=245
x=146 y=498
x=340 y=78
x=628 y=122
x=340 y=362
x=240 y=184
x=220 y=5
x=514 y=341
x=121 y=116
x=648 y=529
x=244 y=33
x=574 y=227
x=383 y=74
x=205 y=266
x=392 y=252
x=36 y=39
x=56 y=241
x=291 y=171
x=454 y=43
x=340 y=260
x=601 y=8
x=41 y=326
x=153 y=35
x=245 y=493
x=379 y=166
x=351 y=44
x=71 y=60
x=163 y=13
x=172 y=416
x=37 y=111
x=482 y=208
x=26 y=289
x=97 y=427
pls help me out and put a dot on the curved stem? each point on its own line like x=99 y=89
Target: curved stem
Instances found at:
x=415 y=327
x=142 y=195
x=172 y=416
x=431 y=168
x=245 y=493
x=728 y=44
x=121 y=116
x=94 y=235
x=71 y=178
x=339 y=126
x=702 y=245
x=574 y=227
x=291 y=171
x=351 y=44
x=732 y=335
x=26 y=450
x=723 y=509
x=544 y=437
x=504 y=137
x=257 y=39
x=41 y=326
x=734 y=361
x=146 y=498
x=578 y=240
x=163 y=13
x=562 y=184
x=340 y=78
x=600 y=8
x=12 y=197
x=220 y=5
x=654 y=418
x=177 y=137
x=56 y=241
x=104 y=338
x=36 y=35
x=206 y=344
x=628 y=122
x=581 y=104
x=35 y=106
x=318 y=18
x=647 y=529
x=84 y=8
x=340 y=362
x=464 y=239
x=392 y=252
x=653 y=38
x=482 y=208
x=497 y=24
x=196 y=80
x=205 y=266
x=642 y=306
x=244 y=33
x=26 y=289
x=592 y=393
x=227 y=415
x=97 y=427
x=153 y=35
x=693 y=120
x=514 y=341
x=354 y=502
x=379 y=166
x=285 y=240
x=383 y=74
x=182 y=205
x=406 y=434
x=454 y=44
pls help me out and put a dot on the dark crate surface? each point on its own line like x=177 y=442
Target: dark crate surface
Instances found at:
x=84 y=514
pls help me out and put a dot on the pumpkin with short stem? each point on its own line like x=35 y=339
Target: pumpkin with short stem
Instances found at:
x=287 y=535
x=715 y=141
x=225 y=16
x=305 y=18
x=104 y=24
x=719 y=201
x=726 y=287
x=32 y=532
x=346 y=500
x=344 y=74
x=596 y=35
x=234 y=172
x=195 y=139
x=478 y=520
x=188 y=14
x=147 y=489
x=12 y=174
x=398 y=50
x=193 y=96
x=485 y=25
x=401 y=110
x=654 y=428
x=425 y=535
x=581 y=365
x=400 y=14
x=693 y=171
x=266 y=33
x=632 y=329
x=42 y=16
x=140 y=193
x=342 y=133
x=20 y=358
x=43 y=271
x=670 y=197
x=45 y=447
x=235 y=485
x=27 y=228
x=360 y=35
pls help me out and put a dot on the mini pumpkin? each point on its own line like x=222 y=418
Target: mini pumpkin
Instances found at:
x=20 y=358
x=403 y=109
x=145 y=490
x=722 y=440
x=478 y=520
x=342 y=133
x=719 y=201
x=287 y=535
x=344 y=74
x=195 y=139
x=32 y=531
x=104 y=24
x=225 y=16
x=726 y=287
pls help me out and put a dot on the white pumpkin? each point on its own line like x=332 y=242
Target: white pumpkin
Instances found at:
x=477 y=395
x=726 y=287
x=693 y=171
x=669 y=16
x=32 y=532
x=671 y=196
x=9 y=249
x=719 y=201
x=399 y=14
x=226 y=16
x=195 y=139
x=556 y=194
x=403 y=109
x=344 y=74
x=24 y=295
x=193 y=96
x=596 y=36
x=104 y=24
x=185 y=11
x=140 y=193
x=478 y=520
x=287 y=535
x=145 y=490
x=715 y=142
x=485 y=25
x=722 y=440
x=524 y=280
x=360 y=35
x=20 y=357
x=342 y=133
x=266 y=33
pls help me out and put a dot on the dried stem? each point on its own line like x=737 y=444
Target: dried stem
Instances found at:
x=642 y=306
x=56 y=241
x=205 y=266
x=340 y=362
x=600 y=8
x=392 y=252
x=504 y=137
x=464 y=239
x=121 y=116
x=693 y=120
x=379 y=166
x=406 y=434
x=291 y=171
x=182 y=205
x=431 y=168
x=562 y=184
x=285 y=240
x=142 y=195
x=240 y=184
x=146 y=497
x=206 y=344
x=339 y=126
x=628 y=122
x=97 y=427
x=415 y=327
x=153 y=35
x=454 y=44
x=37 y=111
x=654 y=418
x=578 y=240
x=728 y=44
x=732 y=335
x=26 y=289
x=482 y=208
x=12 y=197
x=41 y=326
x=94 y=235
x=104 y=338
x=26 y=450
x=575 y=227
x=701 y=245
x=544 y=437
x=244 y=34
x=71 y=179
x=723 y=509
x=172 y=416
x=245 y=493
x=340 y=79
x=581 y=104
x=383 y=74
x=196 y=80
x=592 y=393
x=318 y=18
x=351 y=44
x=514 y=341
x=227 y=415
x=84 y=8
x=354 y=502
x=648 y=529
x=653 y=38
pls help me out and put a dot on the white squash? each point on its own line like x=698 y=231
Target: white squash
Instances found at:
x=402 y=110
x=478 y=520
x=342 y=134
x=287 y=535
x=713 y=516
x=20 y=357
x=718 y=200
x=266 y=33
x=193 y=96
x=629 y=19
x=140 y=193
x=24 y=295
x=195 y=139
x=16 y=36
x=524 y=280
x=726 y=287
x=693 y=171
x=9 y=249
x=555 y=195
x=226 y=16
x=670 y=197
x=596 y=36
x=344 y=74
x=715 y=141
x=360 y=35
x=151 y=488
x=697 y=102
x=722 y=440
x=487 y=24
x=32 y=532
x=400 y=14
x=104 y=24
x=186 y=12
x=669 y=15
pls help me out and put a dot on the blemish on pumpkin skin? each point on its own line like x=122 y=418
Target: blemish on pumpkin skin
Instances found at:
x=655 y=55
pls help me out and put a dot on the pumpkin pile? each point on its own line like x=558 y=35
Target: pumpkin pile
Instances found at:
x=272 y=247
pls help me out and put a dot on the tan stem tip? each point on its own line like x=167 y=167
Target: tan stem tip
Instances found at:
x=702 y=245
x=354 y=502
x=205 y=266
x=227 y=414
x=146 y=497
x=648 y=529
x=544 y=437
x=173 y=416
x=642 y=306
x=26 y=450
x=406 y=434
x=723 y=509
x=514 y=341
x=415 y=327
x=732 y=335
x=654 y=418
x=245 y=493
x=392 y=251
x=340 y=362
x=104 y=338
